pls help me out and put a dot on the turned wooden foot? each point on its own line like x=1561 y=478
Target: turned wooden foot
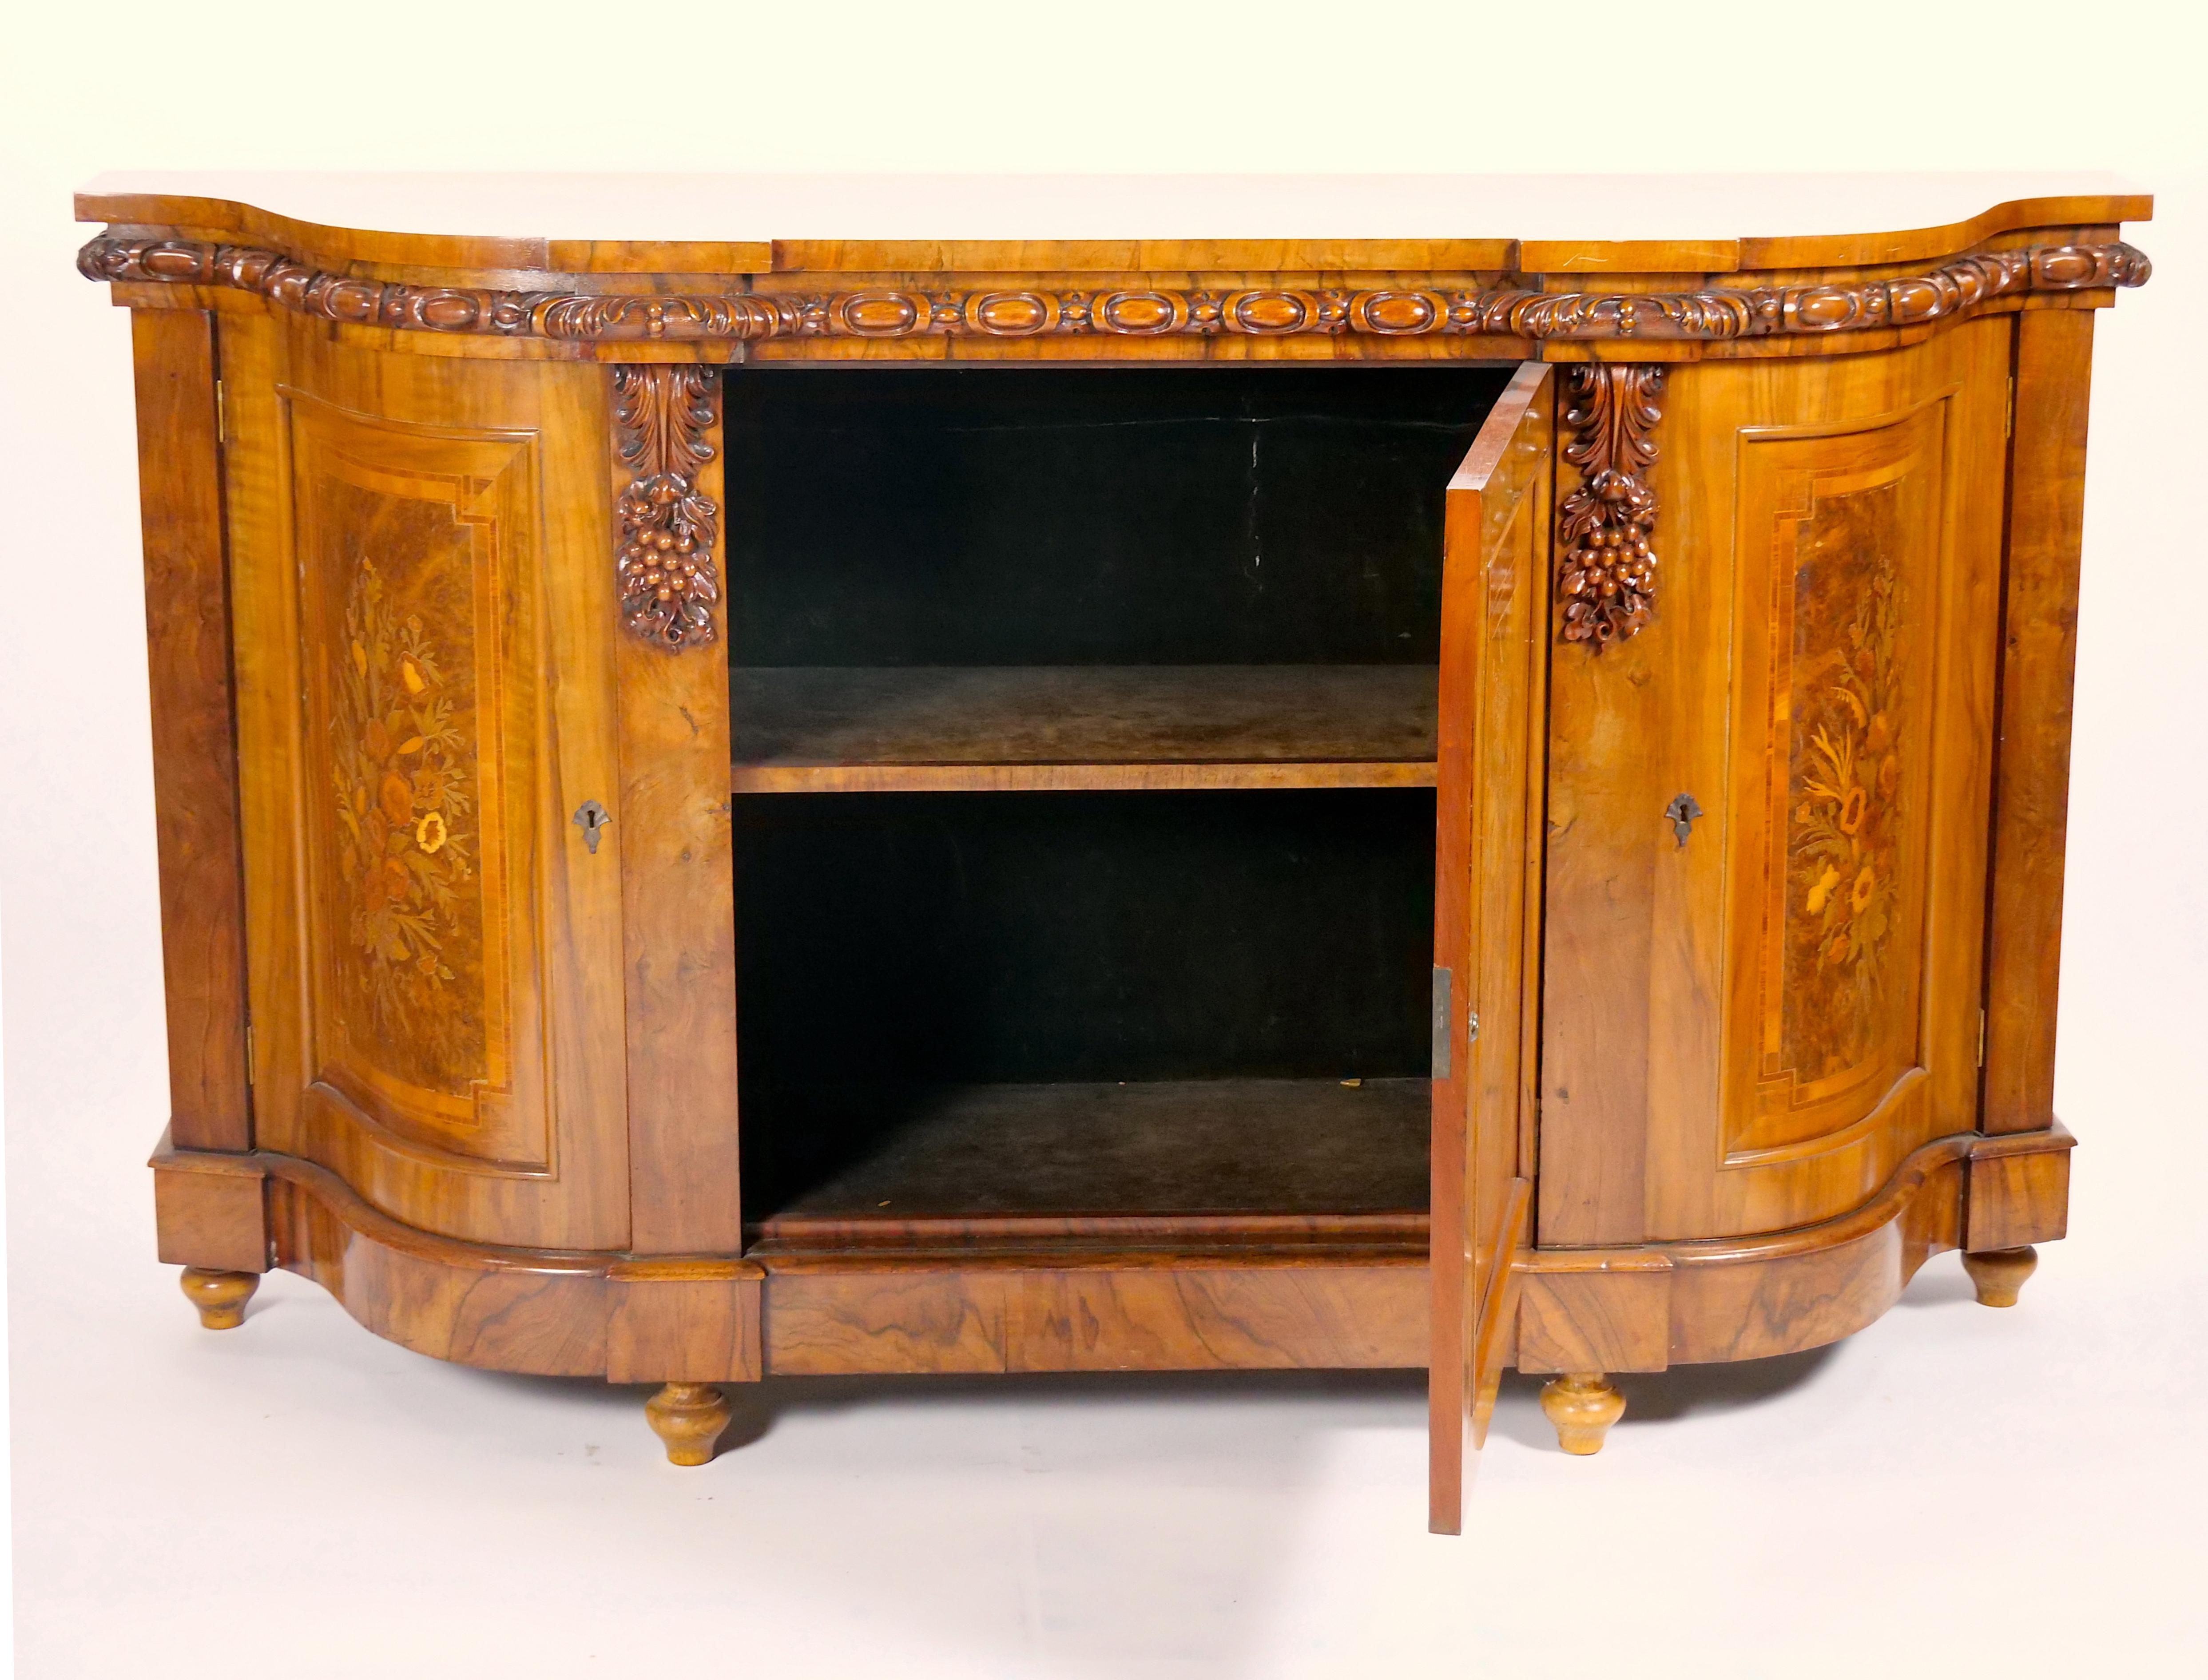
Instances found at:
x=1582 y=1406
x=1999 y=1273
x=221 y=1296
x=689 y=1418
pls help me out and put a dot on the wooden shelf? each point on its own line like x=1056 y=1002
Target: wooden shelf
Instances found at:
x=1248 y=1157
x=1007 y=729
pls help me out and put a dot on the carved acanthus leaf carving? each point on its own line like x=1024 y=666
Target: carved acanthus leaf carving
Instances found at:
x=1606 y=526
x=1953 y=289
x=669 y=582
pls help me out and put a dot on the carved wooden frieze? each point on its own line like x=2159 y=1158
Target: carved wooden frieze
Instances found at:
x=664 y=555
x=1605 y=527
x=1953 y=289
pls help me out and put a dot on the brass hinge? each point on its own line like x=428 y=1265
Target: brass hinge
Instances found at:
x=1981 y=1038
x=221 y=417
x=249 y=1054
x=2009 y=420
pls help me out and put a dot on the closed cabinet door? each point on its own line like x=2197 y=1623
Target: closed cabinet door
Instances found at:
x=425 y=696
x=1766 y=923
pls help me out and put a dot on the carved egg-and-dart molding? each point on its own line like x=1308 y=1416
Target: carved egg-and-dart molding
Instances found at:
x=663 y=556
x=1952 y=290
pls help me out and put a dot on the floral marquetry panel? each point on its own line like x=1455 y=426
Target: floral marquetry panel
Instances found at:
x=1844 y=898
x=416 y=645
x=403 y=737
x=1841 y=539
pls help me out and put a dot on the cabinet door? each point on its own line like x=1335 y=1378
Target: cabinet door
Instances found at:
x=1750 y=1028
x=1487 y=912
x=424 y=648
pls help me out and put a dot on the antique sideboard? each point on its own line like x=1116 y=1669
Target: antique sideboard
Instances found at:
x=950 y=776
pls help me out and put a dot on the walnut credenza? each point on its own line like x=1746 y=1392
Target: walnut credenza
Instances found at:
x=892 y=804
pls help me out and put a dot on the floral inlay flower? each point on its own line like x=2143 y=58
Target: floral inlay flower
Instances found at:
x=1823 y=889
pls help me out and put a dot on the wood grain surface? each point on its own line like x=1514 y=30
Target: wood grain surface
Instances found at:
x=1487 y=909
x=425 y=693
x=940 y=729
x=195 y=808
x=209 y=1209
x=1166 y=1297
x=1316 y=1149
x=478 y=1076
x=1687 y=1091
x=2031 y=772
x=678 y=924
x=1033 y=1317
x=2019 y=1188
x=214 y=211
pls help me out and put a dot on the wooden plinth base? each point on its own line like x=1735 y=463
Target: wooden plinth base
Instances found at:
x=1090 y=1296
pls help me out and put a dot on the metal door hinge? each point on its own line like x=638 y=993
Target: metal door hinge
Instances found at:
x=1441 y=1047
x=221 y=416
x=1981 y=1038
x=2009 y=419
x=1471 y=1028
x=250 y=1076
x=591 y=816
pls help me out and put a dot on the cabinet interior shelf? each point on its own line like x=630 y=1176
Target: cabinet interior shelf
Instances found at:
x=1003 y=727
x=1246 y=1157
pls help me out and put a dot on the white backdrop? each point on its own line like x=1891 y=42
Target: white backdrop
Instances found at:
x=1955 y=1491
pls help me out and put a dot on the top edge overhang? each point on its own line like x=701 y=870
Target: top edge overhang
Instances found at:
x=1561 y=224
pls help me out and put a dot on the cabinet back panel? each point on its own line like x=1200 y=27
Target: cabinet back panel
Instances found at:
x=1074 y=516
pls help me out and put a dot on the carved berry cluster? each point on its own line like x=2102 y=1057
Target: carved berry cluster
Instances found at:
x=668 y=579
x=1607 y=578
x=663 y=560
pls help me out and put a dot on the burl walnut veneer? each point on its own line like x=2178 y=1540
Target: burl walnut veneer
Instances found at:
x=1131 y=707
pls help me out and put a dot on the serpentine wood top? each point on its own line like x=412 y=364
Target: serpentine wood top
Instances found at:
x=510 y=226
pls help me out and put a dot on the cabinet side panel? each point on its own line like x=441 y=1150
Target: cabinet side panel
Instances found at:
x=2038 y=660
x=194 y=766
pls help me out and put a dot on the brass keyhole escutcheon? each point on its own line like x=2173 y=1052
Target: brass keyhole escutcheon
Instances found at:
x=591 y=816
x=1681 y=813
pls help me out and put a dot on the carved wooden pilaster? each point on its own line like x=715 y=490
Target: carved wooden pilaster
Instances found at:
x=669 y=582
x=1605 y=528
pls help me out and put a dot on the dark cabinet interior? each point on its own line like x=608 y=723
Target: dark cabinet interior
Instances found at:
x=1181 y=968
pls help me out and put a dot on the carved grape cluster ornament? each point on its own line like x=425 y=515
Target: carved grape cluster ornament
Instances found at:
x=669 y=582
x=1605 y=527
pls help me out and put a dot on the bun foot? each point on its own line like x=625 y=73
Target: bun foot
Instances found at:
x=1999 y=1273
x=221 y=1296
x=1582 y=1406
x=689 y=1418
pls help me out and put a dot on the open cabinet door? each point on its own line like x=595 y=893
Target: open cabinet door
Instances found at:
x=1487 y=860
